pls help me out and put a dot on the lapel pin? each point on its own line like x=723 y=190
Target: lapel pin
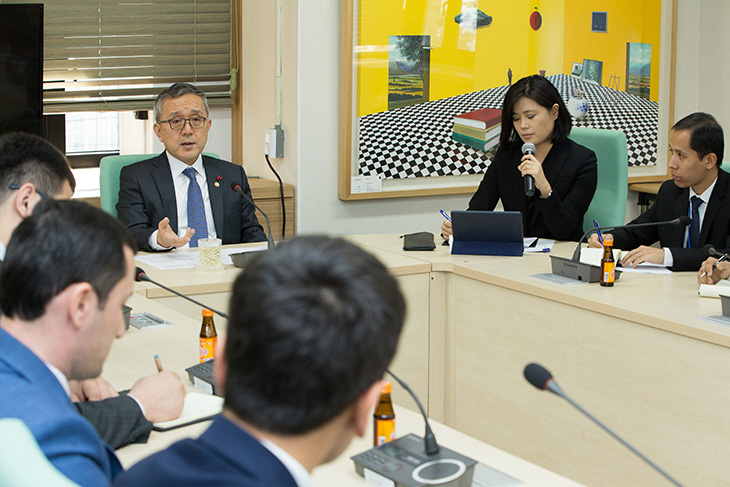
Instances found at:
x=217 y=183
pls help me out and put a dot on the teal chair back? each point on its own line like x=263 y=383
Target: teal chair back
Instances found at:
x=109 y=169
x=609 y=203
x=22 y=461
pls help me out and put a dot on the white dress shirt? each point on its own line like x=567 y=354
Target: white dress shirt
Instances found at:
x=705 y=197
x=61 y=378
x=181 y=183
x=296 y=469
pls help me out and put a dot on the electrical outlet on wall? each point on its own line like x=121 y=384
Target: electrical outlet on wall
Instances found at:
x=275 y=141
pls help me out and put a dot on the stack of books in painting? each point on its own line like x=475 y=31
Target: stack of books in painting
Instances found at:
x=479 y=129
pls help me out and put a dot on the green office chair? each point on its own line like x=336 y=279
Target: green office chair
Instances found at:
x=22 y=461
x=609 y=203
x=109 y=169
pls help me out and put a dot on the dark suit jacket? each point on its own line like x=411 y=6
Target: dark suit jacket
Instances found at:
x=224 y=456
x=572 y=172
x=673 y=202
x=147 y=195
x=118 y=420
x=29 y=391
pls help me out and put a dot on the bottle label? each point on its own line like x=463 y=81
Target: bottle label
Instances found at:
x=609 y=272
x=207 y=348
x=384 y=431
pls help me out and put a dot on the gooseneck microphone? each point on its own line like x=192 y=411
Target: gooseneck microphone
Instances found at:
x=713 y=252
x=141 y=276
x=540 y=377
x=529 y=148
x=683 y=221
x=429 y=439
x=237 y=188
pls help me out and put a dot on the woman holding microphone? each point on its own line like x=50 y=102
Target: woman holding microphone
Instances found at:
x=565 y=173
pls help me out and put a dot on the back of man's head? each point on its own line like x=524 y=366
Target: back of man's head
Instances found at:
x=314 y=324
x=61 y=243
x=26 y=158
x=707 y=136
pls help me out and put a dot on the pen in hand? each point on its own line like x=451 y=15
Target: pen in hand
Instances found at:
x=158 y=363
x=600 y=237
x=721 y=259
x=443 y=213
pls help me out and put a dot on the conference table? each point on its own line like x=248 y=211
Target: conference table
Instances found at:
x=639 y=356
x=132 y=357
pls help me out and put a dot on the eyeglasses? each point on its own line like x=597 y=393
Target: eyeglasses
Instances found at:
x=16 y=187
x=179 y=123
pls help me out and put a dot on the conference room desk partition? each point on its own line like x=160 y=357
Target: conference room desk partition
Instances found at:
x=639 y=356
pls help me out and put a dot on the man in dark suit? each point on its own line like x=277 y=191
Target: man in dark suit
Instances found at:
x=31 y=170
x=69 y=268
x=181 y=196
x=314 y=324
x=698 y=189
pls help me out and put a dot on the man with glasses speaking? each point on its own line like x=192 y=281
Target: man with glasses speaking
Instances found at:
x=181 y=196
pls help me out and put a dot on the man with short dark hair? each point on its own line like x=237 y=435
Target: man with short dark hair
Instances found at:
x=698 y=189
x=314 y=325
x=181 y=196
x=69 y=268
x=31 y=169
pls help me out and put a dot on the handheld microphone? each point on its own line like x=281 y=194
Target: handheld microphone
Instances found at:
x=529 y=148
x=575 y=269
x=141 y=276
x=540 y=377
x=237 y=188
x=429 y=439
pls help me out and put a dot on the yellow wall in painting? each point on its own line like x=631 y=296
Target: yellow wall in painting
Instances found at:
x=628 y=21
x=462 y=62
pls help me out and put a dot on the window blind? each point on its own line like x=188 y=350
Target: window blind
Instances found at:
x=119 y=55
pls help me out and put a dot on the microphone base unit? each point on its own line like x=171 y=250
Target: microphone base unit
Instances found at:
x=404 y=463
x=577 y=270
x=725 y=302
x=201 y=375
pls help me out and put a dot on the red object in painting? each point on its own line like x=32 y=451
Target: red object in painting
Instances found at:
x=535 y=20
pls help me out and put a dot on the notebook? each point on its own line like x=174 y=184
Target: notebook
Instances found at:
x=198 y=407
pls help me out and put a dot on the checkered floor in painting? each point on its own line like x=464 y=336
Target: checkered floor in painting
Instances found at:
x=416 y=141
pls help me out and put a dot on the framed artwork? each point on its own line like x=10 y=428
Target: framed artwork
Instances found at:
x=592 y=71
x=638 y=69
x=410 y=70
x=576 y=69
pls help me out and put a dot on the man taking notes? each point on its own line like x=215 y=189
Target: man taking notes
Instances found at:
x=69 y=268
x=698 y=189
x=181 y=196
x=31 y=170
x=314 y=324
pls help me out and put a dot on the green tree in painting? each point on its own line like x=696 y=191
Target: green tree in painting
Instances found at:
x=411 y=48
x=408 y=70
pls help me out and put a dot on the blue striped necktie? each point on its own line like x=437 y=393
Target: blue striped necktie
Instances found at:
x=694 y=227
x=196 y=208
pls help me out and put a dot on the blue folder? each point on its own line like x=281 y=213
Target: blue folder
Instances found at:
x=487 y=233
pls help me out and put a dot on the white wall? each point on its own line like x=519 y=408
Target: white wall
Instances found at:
x=703 y=66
